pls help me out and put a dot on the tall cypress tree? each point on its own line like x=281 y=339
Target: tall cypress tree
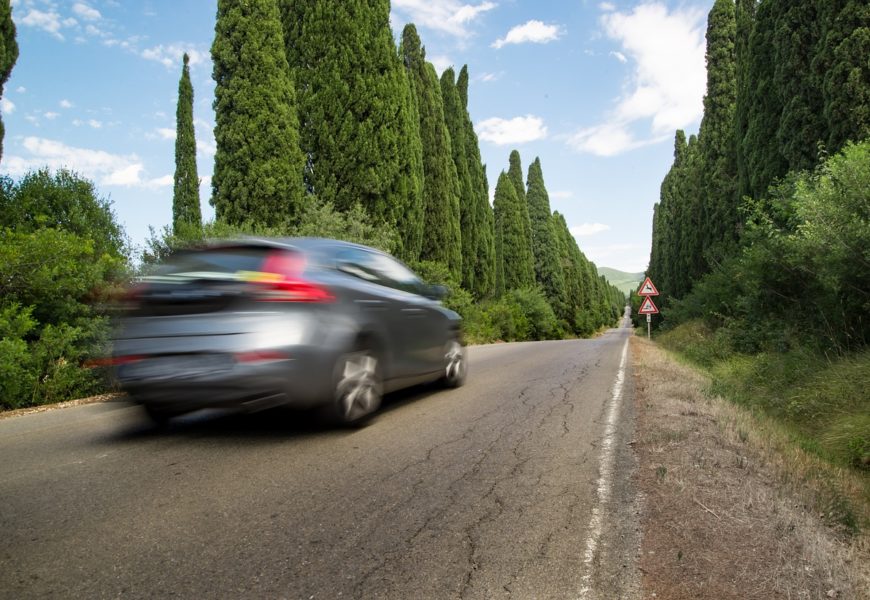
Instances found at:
x=744 y=19
x=843 y=71
x=454 y=116
x=8 y=54
x=185 y=197
x=258 y=164
x=441 y=186
x=511 y=235
x=718 y=175
x=485 y=264
x=515 y=174
x=544 y=244
x=801 y=122
x=358 y=131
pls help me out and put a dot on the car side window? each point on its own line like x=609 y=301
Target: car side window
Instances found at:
x=378 y=268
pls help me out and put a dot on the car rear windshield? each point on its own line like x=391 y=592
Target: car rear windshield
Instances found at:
x=215 y=263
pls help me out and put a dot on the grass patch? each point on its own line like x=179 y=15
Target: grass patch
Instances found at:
x=823 y=402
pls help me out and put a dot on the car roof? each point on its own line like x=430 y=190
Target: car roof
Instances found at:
x=302 y=243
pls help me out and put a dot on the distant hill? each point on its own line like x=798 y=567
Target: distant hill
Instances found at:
x=627 y=282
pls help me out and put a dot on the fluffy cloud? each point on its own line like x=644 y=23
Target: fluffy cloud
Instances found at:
x=518 y=130
x=48 y=21
x=104 y=167
x=440 y=63
x=170 y=56
x=7 y=106
x=535 y=32
x=587 y=229
x=666 y=87
x=66 y=103
x=86 y=12
x=448 y=16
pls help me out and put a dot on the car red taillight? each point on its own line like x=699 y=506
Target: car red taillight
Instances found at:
x=282 y=280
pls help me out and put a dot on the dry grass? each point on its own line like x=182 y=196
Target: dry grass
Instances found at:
x=732 y=509
x=5 y=414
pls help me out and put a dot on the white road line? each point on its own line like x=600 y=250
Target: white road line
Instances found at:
x=605 y=476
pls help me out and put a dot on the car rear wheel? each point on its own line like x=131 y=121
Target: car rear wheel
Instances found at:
x=455 y=364
x=159 y=416
x=358 y=387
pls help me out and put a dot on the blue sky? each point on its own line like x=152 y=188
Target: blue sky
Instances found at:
x=595 y=89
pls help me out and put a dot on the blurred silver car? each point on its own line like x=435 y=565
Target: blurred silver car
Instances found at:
x=258 y=323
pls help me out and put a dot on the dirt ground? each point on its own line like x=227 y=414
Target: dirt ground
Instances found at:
x=725 y=514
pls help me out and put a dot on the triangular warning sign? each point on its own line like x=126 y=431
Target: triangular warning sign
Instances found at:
x=648 y=307
x=647 y=288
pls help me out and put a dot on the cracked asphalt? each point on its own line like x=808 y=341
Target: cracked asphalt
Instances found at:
x=481 y=492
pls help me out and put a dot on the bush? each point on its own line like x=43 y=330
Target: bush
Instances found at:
x=61 y=258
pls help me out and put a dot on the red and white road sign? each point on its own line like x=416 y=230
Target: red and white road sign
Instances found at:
x=647 y=288
x=648 y=307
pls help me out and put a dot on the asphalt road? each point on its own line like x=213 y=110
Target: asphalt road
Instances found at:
x=514 y=486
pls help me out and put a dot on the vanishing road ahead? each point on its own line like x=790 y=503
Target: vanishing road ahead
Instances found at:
x=514 y=486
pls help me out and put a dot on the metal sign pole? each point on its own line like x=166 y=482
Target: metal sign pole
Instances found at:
x=648 y=321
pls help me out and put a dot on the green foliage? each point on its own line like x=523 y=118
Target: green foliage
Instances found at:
x=185 y=197
x=358 y=129
x=318 y=220
x=454 y=116
x=62 y=200
x=258 y=163
x=823 y=400
x=484 y=281
x=441 y=185
x=545 y=246
x=515 y=175
x=512 y=244
x=8 y=53
x=60 y=261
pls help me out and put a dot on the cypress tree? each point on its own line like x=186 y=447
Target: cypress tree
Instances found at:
x=8 y=54
x=358 y=131
x=718 y=175
x=515 y=174
x=441 y=186
x=185 y=197
x=544 y=244
x=744 y=18
x=801 y=122
x=454 y=116
x=510 y=236
x=485 y=263
x=843 y=71
x=764 y=161
x=258 y=165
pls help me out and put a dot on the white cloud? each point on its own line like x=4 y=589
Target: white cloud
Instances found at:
x=206 y=148
x=50 y=115
x=170 y=56
x=518 y=130
x=47 y=21
x=666 y=87
x=66 y=103
x=441 y=63
x=95 y=124
x=489 y=77
x=607 y=7
x=562 y=194
x=166 y=133
x=447 y=16
x=587 y=229
x=86 y=12
x=159 y=182
x=104 y=167
x=619 y=56
x=631 y=258
x=7 y=106
x=21 y=89
x=535 y=32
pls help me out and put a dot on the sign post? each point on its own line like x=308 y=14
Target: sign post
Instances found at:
x=648 y=307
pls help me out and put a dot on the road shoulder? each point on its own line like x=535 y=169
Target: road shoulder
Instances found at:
x=723 y=516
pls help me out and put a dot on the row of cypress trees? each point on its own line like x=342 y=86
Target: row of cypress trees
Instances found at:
x=787 y=83
x=314 y=104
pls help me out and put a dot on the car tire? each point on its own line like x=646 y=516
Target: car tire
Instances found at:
x=358 y=387
x=455 y=364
